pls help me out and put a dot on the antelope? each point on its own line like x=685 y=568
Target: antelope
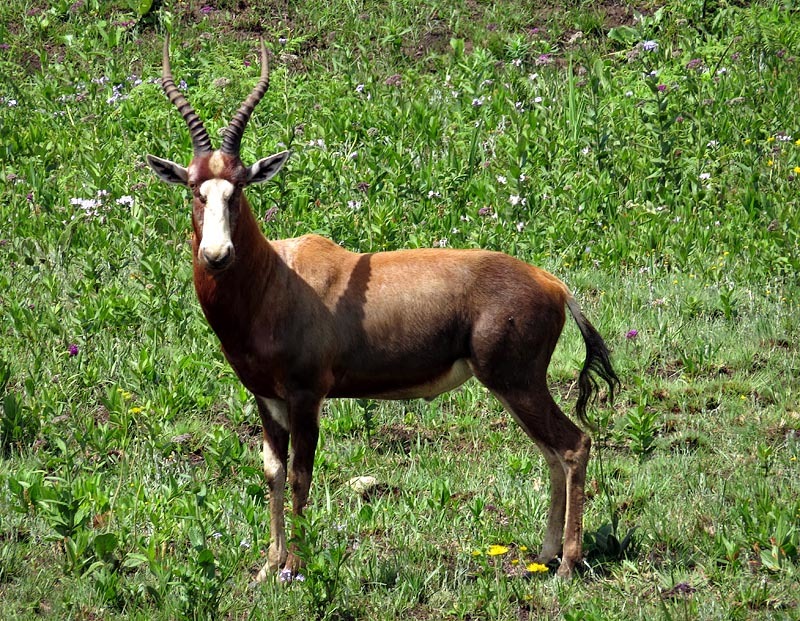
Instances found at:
x=302 y=320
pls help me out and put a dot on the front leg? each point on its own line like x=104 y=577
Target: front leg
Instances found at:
x=275 y=426
x=304 y=428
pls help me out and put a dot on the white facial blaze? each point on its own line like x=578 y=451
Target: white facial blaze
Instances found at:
x=216 y=242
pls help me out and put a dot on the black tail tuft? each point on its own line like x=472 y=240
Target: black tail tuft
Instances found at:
x=598 y=363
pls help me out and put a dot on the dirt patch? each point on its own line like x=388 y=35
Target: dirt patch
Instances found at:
x=400 y=438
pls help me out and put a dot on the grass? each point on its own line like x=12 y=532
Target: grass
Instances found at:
x=649 y=156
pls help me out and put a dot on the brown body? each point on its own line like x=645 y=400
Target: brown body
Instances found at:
x=301 y=320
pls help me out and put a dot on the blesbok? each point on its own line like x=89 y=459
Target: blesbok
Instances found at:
x=301 y=320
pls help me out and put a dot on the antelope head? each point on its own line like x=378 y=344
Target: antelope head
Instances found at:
x=216 y=178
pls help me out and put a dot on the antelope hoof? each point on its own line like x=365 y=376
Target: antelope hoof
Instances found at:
x=565 y=570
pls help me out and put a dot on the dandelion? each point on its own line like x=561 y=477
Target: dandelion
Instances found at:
x=536 y=568
x=650 y=46
x=496 y=550
x=72 y=350
x=796 y=170
x=632 y=334
x=135 y=410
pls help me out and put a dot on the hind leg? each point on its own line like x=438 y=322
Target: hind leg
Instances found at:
x=566 y=450
x=551 y=546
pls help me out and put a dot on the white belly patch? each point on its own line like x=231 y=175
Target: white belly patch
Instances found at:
x=459 y=373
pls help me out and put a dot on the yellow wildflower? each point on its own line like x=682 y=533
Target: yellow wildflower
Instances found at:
x=476 y=553
x=515 y=561
x=496 y=550
x=135 y=410
x=771 y=139
x=536 y=567
x=796 y=170
x=770 y=162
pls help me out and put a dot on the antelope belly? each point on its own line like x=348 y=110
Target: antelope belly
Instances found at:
x=459 y=373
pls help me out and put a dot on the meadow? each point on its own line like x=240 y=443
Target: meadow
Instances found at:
x=647 y=155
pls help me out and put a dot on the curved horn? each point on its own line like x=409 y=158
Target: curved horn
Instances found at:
x=200 y=140
x=232 y=140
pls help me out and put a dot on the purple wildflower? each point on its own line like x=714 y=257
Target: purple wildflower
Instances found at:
x=695 y=64
x=206 y=9
x=650 y=46
x=269 y=216
x=632 y=334
x=72 y=349
x=661 y=88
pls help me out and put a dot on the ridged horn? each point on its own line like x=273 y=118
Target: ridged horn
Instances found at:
x=200 y=139
x=232 y=140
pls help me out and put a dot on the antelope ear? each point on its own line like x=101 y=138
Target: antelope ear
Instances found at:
x=267 y=168
x=168 y=171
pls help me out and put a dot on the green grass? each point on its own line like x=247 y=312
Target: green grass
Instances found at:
x=130 y=475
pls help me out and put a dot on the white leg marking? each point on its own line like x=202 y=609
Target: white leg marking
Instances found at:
x=277 y=410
